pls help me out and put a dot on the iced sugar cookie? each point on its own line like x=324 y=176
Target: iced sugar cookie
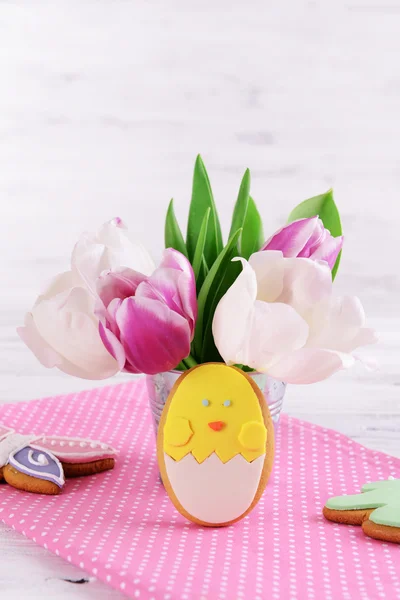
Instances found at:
x=4 y=432
x=376 y=509
x=215 y=444
x=40 y=464
x=32 y=469
x=10 y=441
x=79 y=456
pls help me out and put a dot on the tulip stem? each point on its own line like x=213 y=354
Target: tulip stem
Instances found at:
x=189 y=361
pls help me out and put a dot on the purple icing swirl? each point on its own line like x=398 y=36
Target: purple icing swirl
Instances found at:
x=38 y=463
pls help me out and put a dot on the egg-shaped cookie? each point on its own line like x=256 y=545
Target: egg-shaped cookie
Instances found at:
x=215 y=444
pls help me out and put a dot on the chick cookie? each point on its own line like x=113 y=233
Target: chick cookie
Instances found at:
x=215 y=444
x=376 y=509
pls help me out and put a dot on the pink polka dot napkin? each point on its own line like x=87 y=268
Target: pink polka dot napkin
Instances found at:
x=121 y=527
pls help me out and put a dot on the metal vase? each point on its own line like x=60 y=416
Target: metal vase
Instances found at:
x=160 y=385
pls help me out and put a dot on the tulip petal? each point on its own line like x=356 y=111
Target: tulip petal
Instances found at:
x=275 y=329
x=119 y=283
x=48 y=357
x=328 y=250
x=309 y=365
x=30 y=335
x=162 y=285
x=248 y=331
x=233 y=315
x=89 y=259
x=154 y=337
x=172 y=259
x=292 y=238
x=339 y=325
x=268 y=267
x=60 y=283
x=317 y=237
x=113 y=309
x=299 y=282
x=109 y=248
x=113 y=345
x=187 y=282
x=306 y=283
x=97 y=371
x=123 y=250
x=66 y=323
x=174 y=284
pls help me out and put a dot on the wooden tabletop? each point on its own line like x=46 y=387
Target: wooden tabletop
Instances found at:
x=102 y=112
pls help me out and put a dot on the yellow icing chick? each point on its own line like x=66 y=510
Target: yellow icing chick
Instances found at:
x=215 y=409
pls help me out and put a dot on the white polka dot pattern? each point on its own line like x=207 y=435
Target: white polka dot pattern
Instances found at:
x=120 y=526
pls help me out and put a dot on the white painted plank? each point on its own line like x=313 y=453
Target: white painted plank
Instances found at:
x=104 y=106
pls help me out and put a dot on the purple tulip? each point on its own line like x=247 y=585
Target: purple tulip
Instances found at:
x=307 y=238
x=147 y=322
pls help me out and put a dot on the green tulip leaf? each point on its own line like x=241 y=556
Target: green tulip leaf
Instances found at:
x=202 y=199
x=172 y=234
x=205 y=267
x=209 y=350
x=198 y=258
x=252 y=237
x=210 y=288
x=202 y=274
x=324 y=206
x=240 y=210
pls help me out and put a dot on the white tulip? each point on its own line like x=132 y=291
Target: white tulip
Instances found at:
x=279 y=317
x=108 y=248
x=63 y=331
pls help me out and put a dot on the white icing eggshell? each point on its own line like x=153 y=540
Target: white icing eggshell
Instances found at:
x=215 y=444
x=213 y=491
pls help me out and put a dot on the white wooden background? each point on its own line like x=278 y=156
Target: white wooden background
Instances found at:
x=103 y=107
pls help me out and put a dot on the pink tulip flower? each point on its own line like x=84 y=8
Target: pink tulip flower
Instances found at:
x=147 y=322
x=306 y=238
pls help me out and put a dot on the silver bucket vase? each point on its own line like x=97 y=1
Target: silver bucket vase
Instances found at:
x=160 y=385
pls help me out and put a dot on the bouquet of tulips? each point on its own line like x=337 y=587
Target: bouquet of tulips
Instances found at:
x=262 y=305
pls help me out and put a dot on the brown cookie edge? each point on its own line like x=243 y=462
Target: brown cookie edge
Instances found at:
x=347 y=517
x=383 y=533
x=27 y=483
x=88 y=468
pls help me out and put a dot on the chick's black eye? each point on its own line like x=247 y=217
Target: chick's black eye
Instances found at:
x=227 y=403
x=205 y=402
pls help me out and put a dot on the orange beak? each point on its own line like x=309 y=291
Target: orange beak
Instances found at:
x=217 y=425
